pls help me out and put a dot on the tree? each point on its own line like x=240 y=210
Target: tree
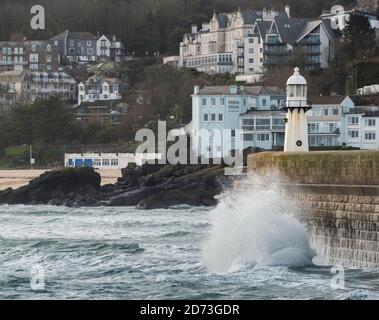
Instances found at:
x=359 y=33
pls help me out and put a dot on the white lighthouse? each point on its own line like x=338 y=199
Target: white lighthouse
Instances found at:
x=296 y=138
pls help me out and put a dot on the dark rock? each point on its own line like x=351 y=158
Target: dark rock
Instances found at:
x=132 y=198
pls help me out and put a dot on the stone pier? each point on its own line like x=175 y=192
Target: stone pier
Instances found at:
x=336 y=195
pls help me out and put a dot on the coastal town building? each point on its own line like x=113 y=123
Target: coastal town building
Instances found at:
x=325 y=120
x=110 y=112
x=28 y=54
x=252 y=42
x=223 y=109
x=30 y=85
x=255 y=117
x=75 y=46
x=98 y=88
x=106 y=161
x=109 y=48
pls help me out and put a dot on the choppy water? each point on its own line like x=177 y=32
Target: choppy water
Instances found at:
x=240 y=250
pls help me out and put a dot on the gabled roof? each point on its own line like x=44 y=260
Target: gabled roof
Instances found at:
x=289 y=29
x=74 y=36
x=264 y=27
x=96 y=80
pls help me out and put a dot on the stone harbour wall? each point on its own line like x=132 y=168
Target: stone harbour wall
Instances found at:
x=336 y=195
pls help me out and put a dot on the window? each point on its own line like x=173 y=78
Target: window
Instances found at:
x=72 y=43
x=251 y=60
x=353 y=134
x=115 y=88
x=233 y=133
x=213 y=117
x=206 y=117
x=48 y=58
x=88 y=43
x=213 y=101
x=263 y=137
x=326 y=112
x=353 y=120
x=244 y=102
x=264 y=103
x=97 y=162
x=335 y=112
x=48 y=48
x=370 y=122
x=370 y=136
x=90 y=51
x=71 y=51
x=222 y=101
x=263 y=123
x=220 y=117
x=106 y=162
x=248 y=137
x=204 y=102
x=33 y=57
x=251 y=50
x=56 y=43
x=114 y=162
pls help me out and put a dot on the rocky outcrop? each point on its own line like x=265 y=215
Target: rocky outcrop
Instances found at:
x=146 y=187
x=57 y=187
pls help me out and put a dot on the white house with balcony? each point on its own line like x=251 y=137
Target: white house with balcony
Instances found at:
x=109 y=48
x=99 y=89
x=217 y=113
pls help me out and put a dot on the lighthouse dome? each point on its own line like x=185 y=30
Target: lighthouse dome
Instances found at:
x=296 y=78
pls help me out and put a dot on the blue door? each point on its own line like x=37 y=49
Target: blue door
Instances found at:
x=78 y=163
x=88 y=163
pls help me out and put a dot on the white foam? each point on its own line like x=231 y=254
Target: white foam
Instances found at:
x=253 y=225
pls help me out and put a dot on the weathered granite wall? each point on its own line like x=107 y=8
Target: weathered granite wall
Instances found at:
x=336 y=194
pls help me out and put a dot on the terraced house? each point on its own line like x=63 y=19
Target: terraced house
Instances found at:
x=30 y=85
x=28 y=54
x=252 y=42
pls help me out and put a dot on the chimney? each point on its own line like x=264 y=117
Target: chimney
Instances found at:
x=288 y=10
x=196 y=90
x=194 y=28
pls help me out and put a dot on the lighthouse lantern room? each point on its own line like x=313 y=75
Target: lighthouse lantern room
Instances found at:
x=297 y=104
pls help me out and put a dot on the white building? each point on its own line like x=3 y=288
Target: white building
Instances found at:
x=109 y=48
x=99 y=89
x=216 y=115
x=172 y=61
x=106 y=160
x=325 y=120
x=251 y=41
x=361 y=127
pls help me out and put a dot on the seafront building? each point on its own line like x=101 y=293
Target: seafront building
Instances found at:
x=106 y=161
x=223 y=109
x=255 y=117
x=252 y=42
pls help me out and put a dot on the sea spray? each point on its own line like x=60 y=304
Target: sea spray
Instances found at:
x=254 y=224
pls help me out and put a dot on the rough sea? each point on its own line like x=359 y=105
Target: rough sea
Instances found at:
x=249 y=247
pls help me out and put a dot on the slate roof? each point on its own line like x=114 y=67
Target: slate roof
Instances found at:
x=327 y=99
x=74 y=36
x=242 y=90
